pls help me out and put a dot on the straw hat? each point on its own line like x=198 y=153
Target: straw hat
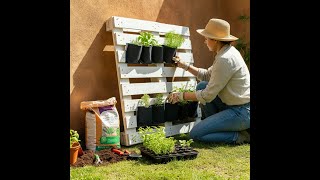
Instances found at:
x=217 y=29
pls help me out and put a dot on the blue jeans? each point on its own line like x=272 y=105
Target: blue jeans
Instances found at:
x=222 y=122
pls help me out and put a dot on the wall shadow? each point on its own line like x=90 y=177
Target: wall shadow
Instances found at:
x=94 y=79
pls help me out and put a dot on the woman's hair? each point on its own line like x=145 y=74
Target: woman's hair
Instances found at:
x=226 y=42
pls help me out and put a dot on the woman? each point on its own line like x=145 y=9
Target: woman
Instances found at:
x=224 y=90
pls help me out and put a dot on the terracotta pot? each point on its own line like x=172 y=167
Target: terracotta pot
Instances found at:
x=74 y=150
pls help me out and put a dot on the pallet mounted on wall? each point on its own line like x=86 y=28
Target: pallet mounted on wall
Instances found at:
x=124 y=30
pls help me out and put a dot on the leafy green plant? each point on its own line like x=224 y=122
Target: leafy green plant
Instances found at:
x=183 y=88
x=185 y=143
x=136 y=42
x=146 y=39
x=155 y=140
x=159 y=100
x=145 y=100
x=173 y=39
x=74 y=137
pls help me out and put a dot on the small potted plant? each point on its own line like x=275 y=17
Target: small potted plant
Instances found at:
x=187 y=109
x=144 y=111
x=158 y=110
x=147 y=40
x=172 y=41
x=74 y=146
x=133 y=51
x=157 y=52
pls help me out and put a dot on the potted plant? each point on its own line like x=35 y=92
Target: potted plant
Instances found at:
x=157 y=52
x=147 y=40
x=74 y=146
x=158 y=110
x=187 y=109
x=172 y=41
x=144 y=111
x=133 y=51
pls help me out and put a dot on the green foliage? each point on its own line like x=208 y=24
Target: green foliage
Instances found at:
x=136 y=42
x=184 y=89
x=155 y=139
x=159 y=100
x=173 y=39
x=185 y=143
x=145 y=100
x=146 y=39
x=74 y=137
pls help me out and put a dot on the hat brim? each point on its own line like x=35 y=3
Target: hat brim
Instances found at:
x=208 y=35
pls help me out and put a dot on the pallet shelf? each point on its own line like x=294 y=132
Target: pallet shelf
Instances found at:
x=124 y=30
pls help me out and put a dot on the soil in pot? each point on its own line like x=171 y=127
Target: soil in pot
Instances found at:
x=133 y=53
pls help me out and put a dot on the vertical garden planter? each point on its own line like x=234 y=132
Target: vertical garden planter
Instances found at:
x=133 y=53
x=158 y=114
x=145 y=57
x=157 y=54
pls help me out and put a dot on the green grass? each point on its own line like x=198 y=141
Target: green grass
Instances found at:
x=214 y=161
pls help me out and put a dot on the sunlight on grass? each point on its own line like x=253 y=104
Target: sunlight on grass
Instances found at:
x=213 y=162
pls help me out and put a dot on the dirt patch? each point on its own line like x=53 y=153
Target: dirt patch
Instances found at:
x=105 y=155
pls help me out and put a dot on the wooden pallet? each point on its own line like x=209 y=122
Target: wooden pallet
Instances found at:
x=124 y=30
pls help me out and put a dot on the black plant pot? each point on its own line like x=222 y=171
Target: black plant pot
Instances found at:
x=183 y=113
x=157 y=54
x=171 y=112
x=168 y=54
x=157 y=114
x=133 y=53
x=192 y=109
x=144 y=116
x=146 y=55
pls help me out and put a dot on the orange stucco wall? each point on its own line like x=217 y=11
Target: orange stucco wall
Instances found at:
x=92 y=63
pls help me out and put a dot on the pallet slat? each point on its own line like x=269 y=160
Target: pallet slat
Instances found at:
x=185 y=57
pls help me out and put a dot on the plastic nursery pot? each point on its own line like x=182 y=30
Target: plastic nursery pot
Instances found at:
x=74 y=150
x=192 y=109
x=133 y=53
x=183 y=112
x=145 y=57
x=157 y=54
x=168 y=54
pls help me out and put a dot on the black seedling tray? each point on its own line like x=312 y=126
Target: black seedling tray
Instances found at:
x=179 y=154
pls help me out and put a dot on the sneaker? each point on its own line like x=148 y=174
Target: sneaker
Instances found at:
x=244 y=137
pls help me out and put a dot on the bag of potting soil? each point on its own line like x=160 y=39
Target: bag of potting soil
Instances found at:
x=102 y=128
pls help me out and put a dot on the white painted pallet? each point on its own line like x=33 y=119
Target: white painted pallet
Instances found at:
x=124 y=30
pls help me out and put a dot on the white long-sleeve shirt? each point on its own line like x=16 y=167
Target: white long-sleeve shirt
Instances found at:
x=228 y=77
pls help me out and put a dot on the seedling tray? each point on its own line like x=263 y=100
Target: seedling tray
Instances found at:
x=179 y=154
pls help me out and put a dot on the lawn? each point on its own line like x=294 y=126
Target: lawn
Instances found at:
x=214 y=161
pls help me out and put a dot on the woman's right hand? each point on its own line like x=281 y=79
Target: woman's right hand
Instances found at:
x=180 y=64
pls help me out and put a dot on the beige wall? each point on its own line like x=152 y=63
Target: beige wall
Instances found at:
x=92 y=64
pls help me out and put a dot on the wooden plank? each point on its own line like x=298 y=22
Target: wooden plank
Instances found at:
x=123 y=39
x=153 y=87
x=136 y=24
x=185 y=57
x=152 y=72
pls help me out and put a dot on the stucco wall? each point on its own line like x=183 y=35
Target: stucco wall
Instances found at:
x=92 y=63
